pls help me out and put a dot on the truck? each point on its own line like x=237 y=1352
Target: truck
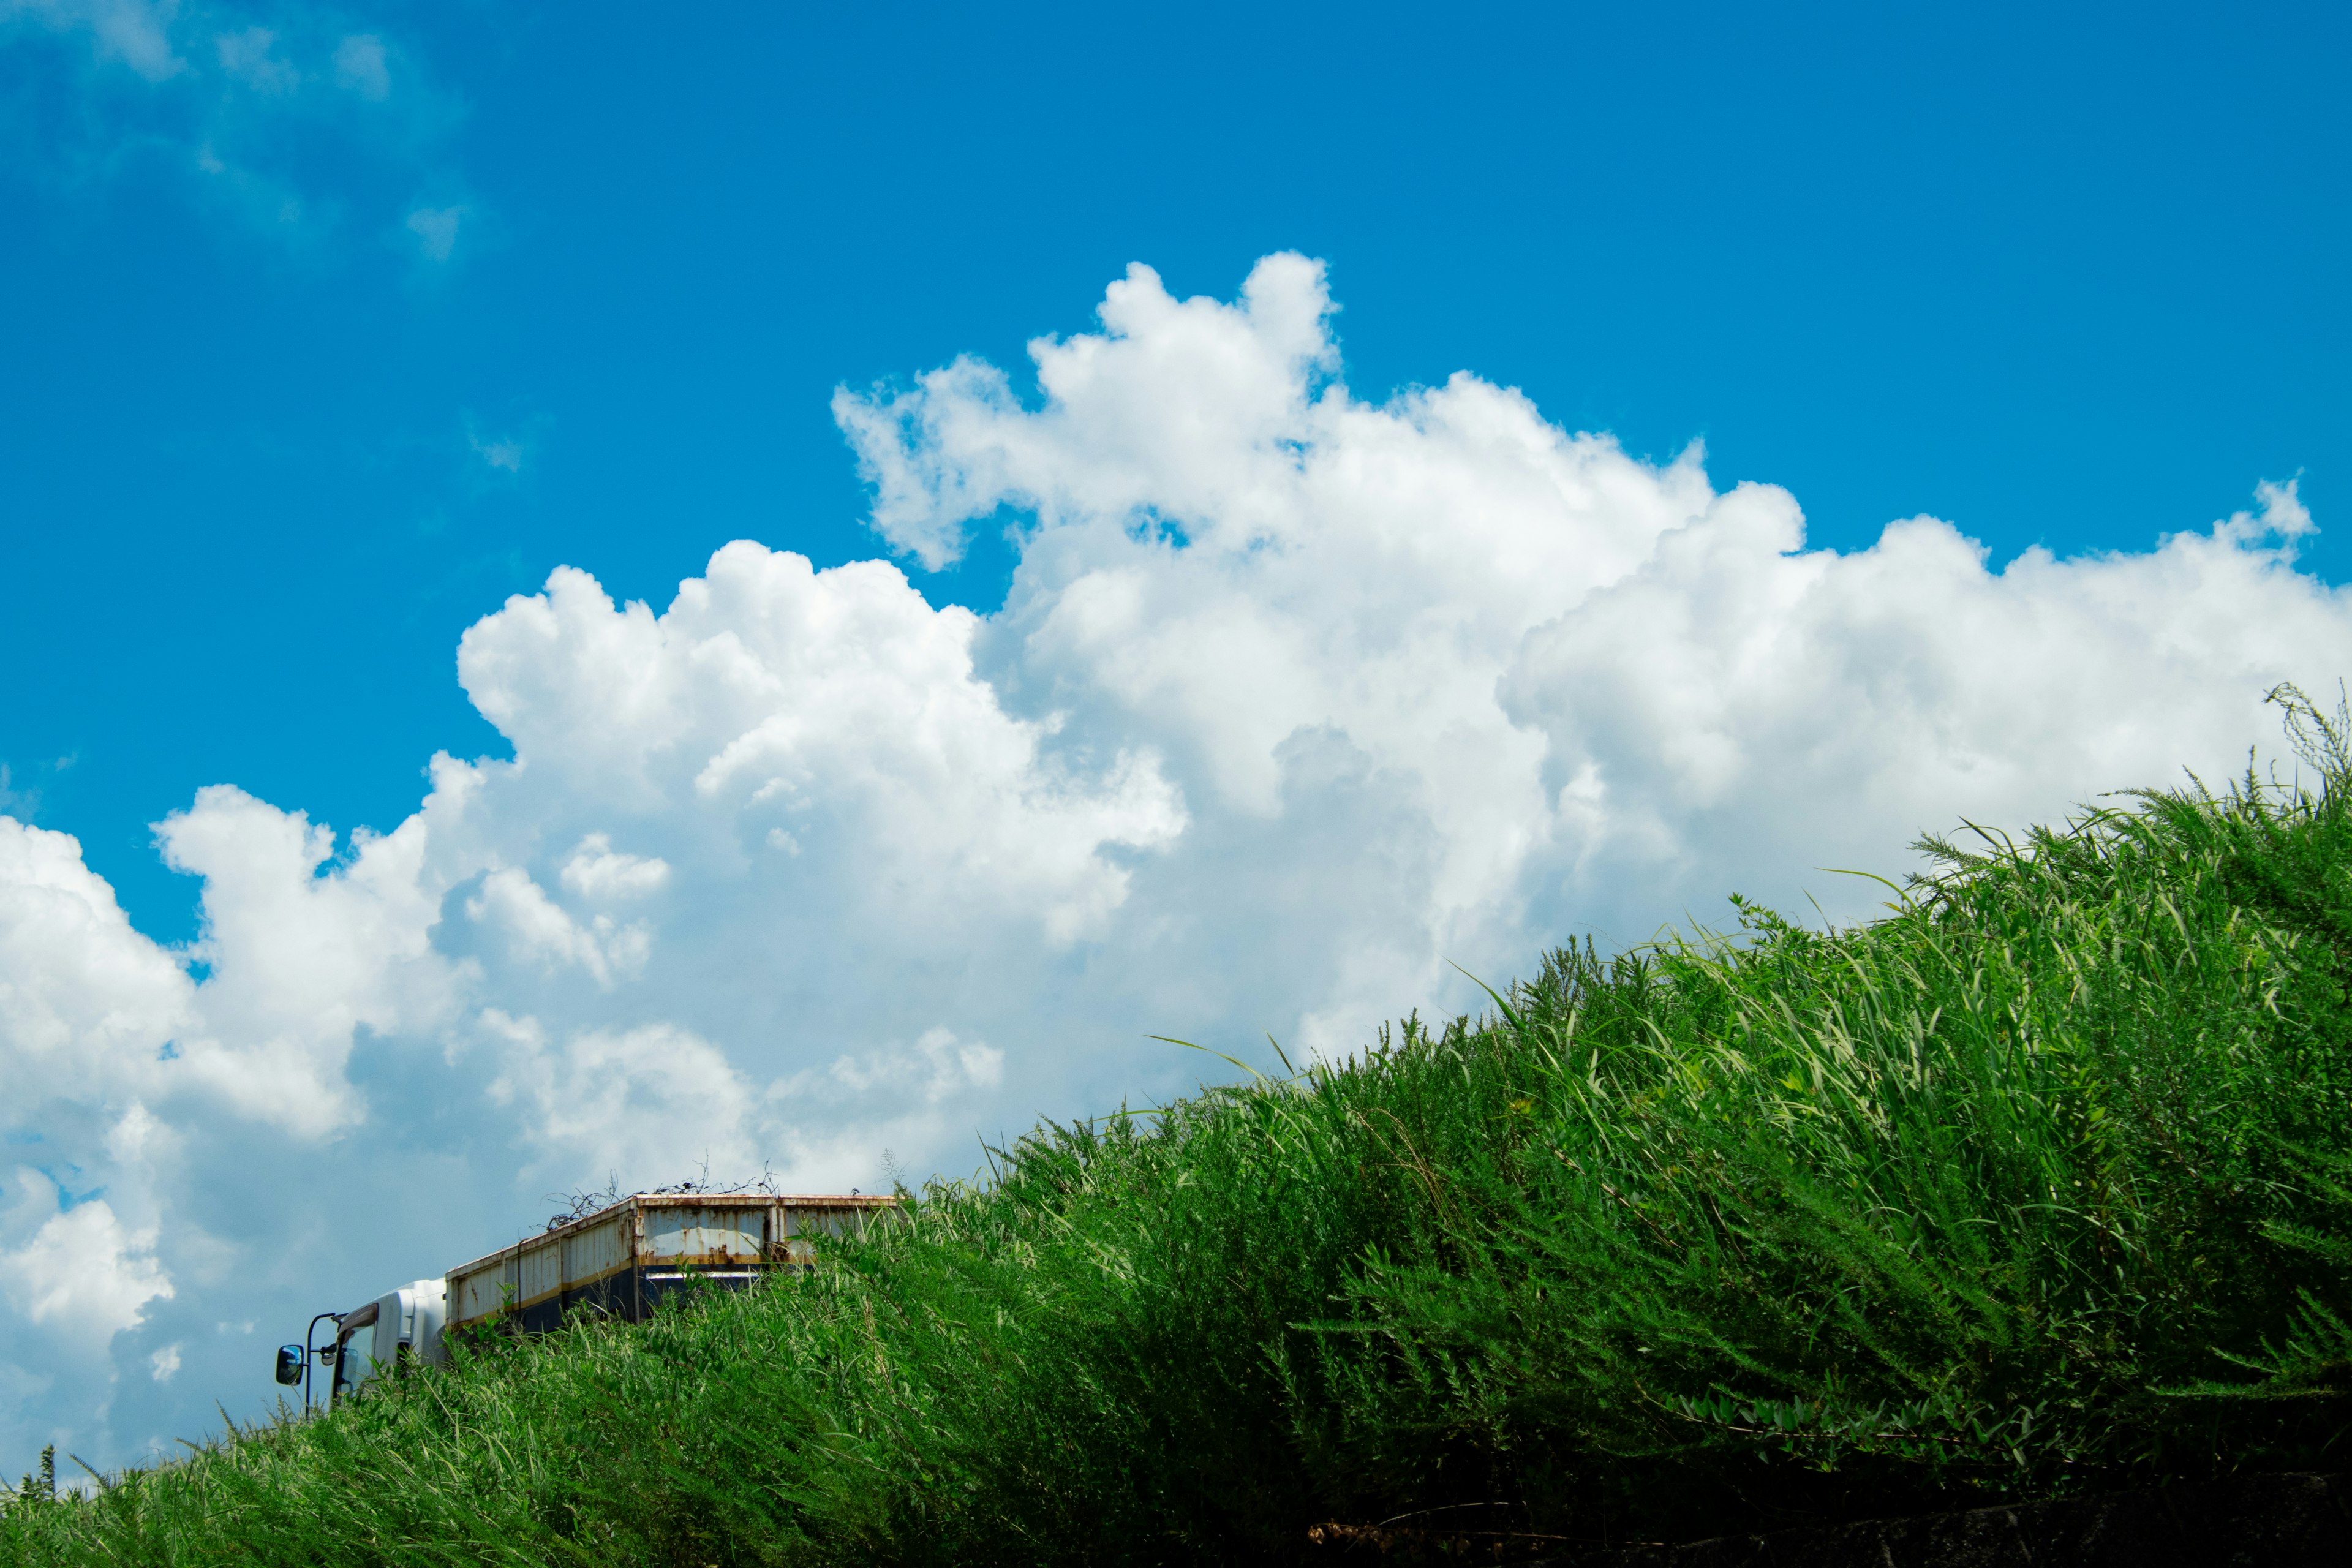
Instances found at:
x=621 y=1262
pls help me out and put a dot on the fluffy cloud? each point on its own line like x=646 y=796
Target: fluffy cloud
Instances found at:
x=83 y=1272
x=301 y=960
x=655 y=1098
x=86 y=1003
x=601 y=875
x=1296 y=698
x=1601 y=690
x=1738 y=686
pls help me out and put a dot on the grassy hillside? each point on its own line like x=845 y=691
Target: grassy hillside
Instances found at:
x=2040 y=1183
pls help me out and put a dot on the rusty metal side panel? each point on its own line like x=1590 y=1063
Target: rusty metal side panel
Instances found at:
x=708 y=1235
x=595 y=1249
x=542 y=1265
x=478 y=1290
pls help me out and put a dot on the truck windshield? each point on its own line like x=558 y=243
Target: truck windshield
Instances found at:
x=352 y=1365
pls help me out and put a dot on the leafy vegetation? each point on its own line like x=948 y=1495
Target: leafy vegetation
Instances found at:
x=2040 y=1183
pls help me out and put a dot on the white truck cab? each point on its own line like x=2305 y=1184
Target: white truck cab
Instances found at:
x=370 y=1340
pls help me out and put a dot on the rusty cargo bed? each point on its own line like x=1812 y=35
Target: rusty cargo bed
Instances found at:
x=623 y=1260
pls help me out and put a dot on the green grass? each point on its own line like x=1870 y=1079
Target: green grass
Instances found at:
x=2040 y=1183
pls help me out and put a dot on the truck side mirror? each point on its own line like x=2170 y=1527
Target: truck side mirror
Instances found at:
x=290 y=1365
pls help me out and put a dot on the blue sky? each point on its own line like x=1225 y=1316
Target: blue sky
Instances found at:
x=2069 y=277
x=590 y=592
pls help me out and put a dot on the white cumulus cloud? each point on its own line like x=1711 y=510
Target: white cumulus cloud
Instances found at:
x=1298 y=696
x=599 y=873
x=83 y=1271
